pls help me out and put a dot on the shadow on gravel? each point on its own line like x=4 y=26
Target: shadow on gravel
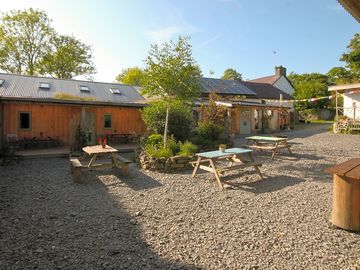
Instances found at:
x=138 y=181
x=311 y=172
x=51 y=223
x=285 y=156
x=269 y=184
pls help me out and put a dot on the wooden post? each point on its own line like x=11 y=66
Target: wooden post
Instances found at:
x=166 y=123
x=336 y=105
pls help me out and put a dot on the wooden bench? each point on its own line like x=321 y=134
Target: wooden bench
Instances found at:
x=124 y=164
x=76 y=168
x=354 y=127
x=193 y=163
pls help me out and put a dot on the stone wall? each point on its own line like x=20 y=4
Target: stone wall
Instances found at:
x=164 y=164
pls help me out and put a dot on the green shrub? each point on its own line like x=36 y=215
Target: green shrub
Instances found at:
x=153 y=146
x=210 y=130
x=153 y=151
x=180 y=118
x=155 y=139
x=187 y=149
x=172 y=145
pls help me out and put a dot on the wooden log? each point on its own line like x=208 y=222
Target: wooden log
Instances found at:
x=346 y=203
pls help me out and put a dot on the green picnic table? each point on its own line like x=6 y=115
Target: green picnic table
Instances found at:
x=209 y=161
x=268 y=143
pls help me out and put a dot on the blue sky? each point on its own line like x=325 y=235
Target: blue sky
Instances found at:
x=308 y=36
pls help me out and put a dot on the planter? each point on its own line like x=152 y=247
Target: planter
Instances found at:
x=164 y=164
x=222 y=149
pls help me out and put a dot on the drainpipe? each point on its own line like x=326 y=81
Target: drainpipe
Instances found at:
x=2 y=125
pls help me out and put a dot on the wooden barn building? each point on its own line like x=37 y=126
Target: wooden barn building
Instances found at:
x=43 y=109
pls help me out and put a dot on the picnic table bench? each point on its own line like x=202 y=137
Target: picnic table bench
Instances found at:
x=94 y=152
x=232 y=156
x=268 y=143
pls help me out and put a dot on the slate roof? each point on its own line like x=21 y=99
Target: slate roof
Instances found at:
x=268 y=79
x=20 y=87
x=224 y=87
x=267 y=91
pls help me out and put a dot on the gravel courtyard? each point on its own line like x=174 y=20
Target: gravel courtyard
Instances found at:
x=152 y=220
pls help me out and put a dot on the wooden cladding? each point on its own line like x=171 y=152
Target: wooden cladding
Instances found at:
x=57 y=120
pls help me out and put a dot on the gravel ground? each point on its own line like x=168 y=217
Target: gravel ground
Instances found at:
x=152 y=220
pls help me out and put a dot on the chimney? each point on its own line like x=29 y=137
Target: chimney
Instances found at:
x=280 y=71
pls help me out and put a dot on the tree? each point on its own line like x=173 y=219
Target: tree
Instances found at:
x=340 y=75
x=310 y=85
x=24 y=40
x=131 y=76
x=69 y=58
x=352 y=58
x=180 y=118
x=171 y=73
x=231 y=74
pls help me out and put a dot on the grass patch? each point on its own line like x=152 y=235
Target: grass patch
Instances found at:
x=321 y=122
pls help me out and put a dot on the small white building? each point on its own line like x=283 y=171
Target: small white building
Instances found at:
x=279 y=80
x=351 y=94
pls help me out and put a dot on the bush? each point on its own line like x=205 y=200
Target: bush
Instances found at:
x=153 y=151
x=180 y=118
x=153 y=146
x=209 y=130
x=155 y=139
x=187 y=149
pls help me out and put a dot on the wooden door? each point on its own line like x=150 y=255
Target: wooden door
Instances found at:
x=245 y=121
x=88 y=125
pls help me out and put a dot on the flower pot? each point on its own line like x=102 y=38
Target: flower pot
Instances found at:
x=222 y=149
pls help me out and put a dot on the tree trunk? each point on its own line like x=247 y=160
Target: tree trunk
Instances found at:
x=166 y=124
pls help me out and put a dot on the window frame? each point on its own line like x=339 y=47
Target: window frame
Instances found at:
x=115 y=91
x=84 y=88
x=44 y=86
x=30 y=121
x=107 y=114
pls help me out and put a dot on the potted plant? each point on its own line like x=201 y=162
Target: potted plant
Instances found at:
x=222 y=147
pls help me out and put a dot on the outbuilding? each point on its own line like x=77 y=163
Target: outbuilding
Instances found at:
x=39 y=108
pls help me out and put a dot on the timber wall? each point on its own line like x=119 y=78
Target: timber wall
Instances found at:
x=59 y=121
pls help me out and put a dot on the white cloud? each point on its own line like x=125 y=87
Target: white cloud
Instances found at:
x=176 y=26
x=210 y=40
x=164 y=34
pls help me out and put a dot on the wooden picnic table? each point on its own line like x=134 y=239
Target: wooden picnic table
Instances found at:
x=234 y=157
x=268 y=143
x=98 y=150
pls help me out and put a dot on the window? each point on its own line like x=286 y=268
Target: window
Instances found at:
x=44 y=86
x=115 y=91
x=24 y=120
x=84 y=88
x=107 y=121
x=2 y=82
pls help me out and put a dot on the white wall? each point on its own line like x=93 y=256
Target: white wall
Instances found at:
x=348 y=105
x=283 y=84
